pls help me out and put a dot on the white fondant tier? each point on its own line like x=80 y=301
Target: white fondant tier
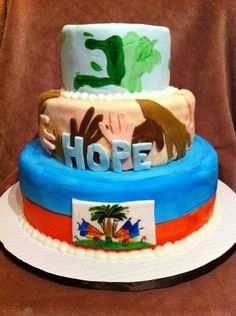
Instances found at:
x=110 y=58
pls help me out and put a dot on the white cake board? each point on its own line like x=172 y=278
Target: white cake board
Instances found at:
x=64 y=267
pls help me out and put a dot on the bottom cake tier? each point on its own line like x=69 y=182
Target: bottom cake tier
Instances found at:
x=119 y=211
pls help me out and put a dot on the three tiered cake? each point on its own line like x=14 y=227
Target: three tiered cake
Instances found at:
x=117 y=166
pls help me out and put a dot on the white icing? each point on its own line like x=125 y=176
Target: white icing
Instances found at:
x=168 y=248
x=169 y=91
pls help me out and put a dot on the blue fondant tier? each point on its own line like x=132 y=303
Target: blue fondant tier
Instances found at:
x=178 y=188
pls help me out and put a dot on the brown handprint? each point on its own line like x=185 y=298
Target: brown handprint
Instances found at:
x=176 y=134
x=89 y=130
x=149 y=131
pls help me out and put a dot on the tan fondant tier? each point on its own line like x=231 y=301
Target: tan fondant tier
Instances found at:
x=165 y=121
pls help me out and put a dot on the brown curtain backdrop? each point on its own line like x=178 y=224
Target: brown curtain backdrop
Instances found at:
x=203 y=60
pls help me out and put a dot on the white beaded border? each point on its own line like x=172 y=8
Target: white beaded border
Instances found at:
x=159 y=251
x=119 y=96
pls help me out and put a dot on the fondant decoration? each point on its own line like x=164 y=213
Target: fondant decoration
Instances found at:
x=88 y=129
x=118 y=226
x=140 y=155
x=50 y=94
x=164 y=184
x=46 y=138
x=121 y=150
x=175 y=132
x=190 y=99
x=68 y=113
x=49 y=137
x=75 y=152
x=58 y=152
x=120 y=129
x=104 y=160
x=73 y=134
x=129 y=57
x=149 y=131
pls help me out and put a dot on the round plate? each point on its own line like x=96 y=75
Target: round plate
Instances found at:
x=137 y=274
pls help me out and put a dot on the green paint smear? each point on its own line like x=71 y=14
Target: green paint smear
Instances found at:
x=113 y=245
x=112 y=48
x=140 y=57
x=169 y=64
x=127 y=61
x=88 y=34
x=95 y=66
x=63 y=37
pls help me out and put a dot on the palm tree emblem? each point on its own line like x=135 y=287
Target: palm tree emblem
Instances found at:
x=107 y=217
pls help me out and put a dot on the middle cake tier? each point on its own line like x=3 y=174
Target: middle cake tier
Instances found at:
x=159 y=126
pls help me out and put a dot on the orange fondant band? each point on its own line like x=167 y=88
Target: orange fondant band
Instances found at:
x=185 y=225
x=60 y=226
x=49 y=223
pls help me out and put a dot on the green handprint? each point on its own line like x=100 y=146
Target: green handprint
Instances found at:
x=140 y=57
x=113 y=49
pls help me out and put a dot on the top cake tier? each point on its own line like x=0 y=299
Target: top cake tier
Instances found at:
x=115 y=58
